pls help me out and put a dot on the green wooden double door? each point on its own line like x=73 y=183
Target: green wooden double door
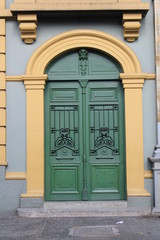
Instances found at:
x=84 y=140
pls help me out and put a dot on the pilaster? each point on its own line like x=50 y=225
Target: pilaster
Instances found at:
x=35 y=134
x=2 y=87
x=133 y=85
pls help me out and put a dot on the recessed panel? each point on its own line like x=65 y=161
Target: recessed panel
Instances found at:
x=109 y=94
x=64 y=179
x=64 y=94
x=104 y=178
x=66 y=65
x=100 y=65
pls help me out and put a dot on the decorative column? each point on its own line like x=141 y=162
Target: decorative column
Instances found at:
x=2 y=88
x=133 y=85
x=35 y=85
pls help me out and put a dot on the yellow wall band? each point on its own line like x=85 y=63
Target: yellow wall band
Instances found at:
x=15 y=176
x=148 y=174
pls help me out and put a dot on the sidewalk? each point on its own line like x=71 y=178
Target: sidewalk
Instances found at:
x=95 y=228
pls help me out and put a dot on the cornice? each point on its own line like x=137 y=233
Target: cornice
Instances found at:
x=62 y=5
x=27 y=12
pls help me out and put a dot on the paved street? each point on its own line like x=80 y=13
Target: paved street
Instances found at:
x=118 y=228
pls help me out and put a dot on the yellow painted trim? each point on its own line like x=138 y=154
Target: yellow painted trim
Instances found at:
x=14 y=78
x=77 y=5
x=148 y=174
x=2 y=44
x=32 y=195
x=2 y=4
x=21 y=78
x=2 y=81
x=15 y=176
x=83 y=38
x=2 y=117
x=3 y=62
x=6 y=13
x=28 y=27
x=140 y=193
x=2 y=88
x=132 y=79
x=2 y=136
x=151 y=76
x=2 y=99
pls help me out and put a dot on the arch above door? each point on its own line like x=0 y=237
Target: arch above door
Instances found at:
x=83 y=38
x=132 y=79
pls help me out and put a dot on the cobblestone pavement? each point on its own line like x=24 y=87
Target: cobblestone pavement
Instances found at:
x=95 y=228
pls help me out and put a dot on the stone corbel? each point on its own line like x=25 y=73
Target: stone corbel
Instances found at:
x=131 y=25
x=28 y=27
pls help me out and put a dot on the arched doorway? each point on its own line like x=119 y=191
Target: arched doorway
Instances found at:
x=132 y=79
x=84 y=128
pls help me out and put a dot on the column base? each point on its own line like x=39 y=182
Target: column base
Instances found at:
x=138 y=193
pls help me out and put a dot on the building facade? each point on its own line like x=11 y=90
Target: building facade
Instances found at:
x=77 y=101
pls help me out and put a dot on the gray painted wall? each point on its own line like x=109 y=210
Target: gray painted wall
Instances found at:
x=10 y=192
x=16 y=127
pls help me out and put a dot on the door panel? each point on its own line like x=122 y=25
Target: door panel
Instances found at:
x=85 y=141
x=105 y=153
x=63 y=141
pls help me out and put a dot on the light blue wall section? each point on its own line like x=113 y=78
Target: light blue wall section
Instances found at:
x=10 y=192
x=16 y=127
x=18 y=55
x=149 y=120
x=49 y=29
x=8 y=2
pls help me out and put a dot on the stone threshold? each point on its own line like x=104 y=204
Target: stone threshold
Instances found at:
x=83 y=209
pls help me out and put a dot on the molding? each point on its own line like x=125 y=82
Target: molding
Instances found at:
x=2 y=117
x=15 y=176
x=80 y=5
x=32 y=195
x=148 y=174
x=131 y=25
x=133 y=81
x=132 y=13
x=28 y=27
x=2 y=81
x=14 y=78
x=139 y=193
x=2 y=27
x=6 y=13
x=83 y=38
x=20 y=78
x=151 y=76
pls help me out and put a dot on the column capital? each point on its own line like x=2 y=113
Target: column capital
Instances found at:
x=34 y=82
x=135 y=80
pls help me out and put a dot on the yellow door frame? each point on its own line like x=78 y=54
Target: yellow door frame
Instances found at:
x=132 y=79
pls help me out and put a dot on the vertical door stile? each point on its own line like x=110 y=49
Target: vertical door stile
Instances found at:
x=85 y=190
